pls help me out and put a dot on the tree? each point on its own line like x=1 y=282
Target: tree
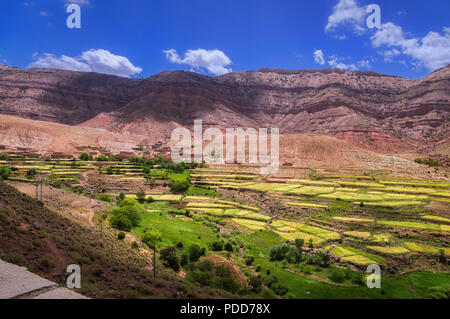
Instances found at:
x=121 y=236
x=121 y=197
x=293 y=256
x=140 y=196
x=125 y=218
x=150 y=238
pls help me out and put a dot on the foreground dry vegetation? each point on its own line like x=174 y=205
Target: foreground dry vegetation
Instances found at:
x=222 y=231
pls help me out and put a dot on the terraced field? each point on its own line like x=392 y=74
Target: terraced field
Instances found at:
x=357 y=217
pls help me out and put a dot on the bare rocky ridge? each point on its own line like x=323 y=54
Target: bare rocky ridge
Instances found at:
x=65 y=97
x=377 y=112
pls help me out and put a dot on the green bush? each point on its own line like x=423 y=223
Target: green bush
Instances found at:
x=4 y=156
x=102 y=158
x=140 y=196
x=121 y=222
x=105 y=198
x=170 y=258
x=337 y=275
x=125 y=218
x=178 y=186
x=150 y=238
x=217 y=245
x=128 y=202
x=4 y=172
x=195 y=252
x=85 y=157
x=121 y=236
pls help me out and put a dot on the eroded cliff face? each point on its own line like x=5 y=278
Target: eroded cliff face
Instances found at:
x=378 y=112
x=60 y=96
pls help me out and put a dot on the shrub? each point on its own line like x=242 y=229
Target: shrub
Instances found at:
x=170 y=258
x=47 y=262
x=206 y=265
x=195 y=252
x=4 y=156
x=255 y=283
x=121 y=197
x=102 y=158
x=217 y=245
x=128 y=202
x=140 y=196
x=150 y=200
x=4 y=172
x=85 y=157
x=105 y=198
x=203 y=278
x=179 y=186
x=184 y=260
x=31 y=173
x=337 y=275
x=125 y=218
x=121 y=222
x=228 y=247
x=249 y=260
x=135 y=245
x=121 y=236
x=228 y=284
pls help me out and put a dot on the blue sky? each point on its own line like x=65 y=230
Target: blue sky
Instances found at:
x=138 y=38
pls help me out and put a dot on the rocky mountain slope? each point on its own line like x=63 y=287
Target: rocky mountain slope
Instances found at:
x=378 y=112
x=60 y=96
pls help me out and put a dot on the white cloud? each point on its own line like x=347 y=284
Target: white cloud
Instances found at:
x=364 y=64
x=431 y=51
x=390 y=54
x=335 y=63
x=101 y=61
x=214 y=61
x=319 y=57
x=347 y=12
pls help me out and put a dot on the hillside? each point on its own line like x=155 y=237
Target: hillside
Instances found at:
x=45 y=243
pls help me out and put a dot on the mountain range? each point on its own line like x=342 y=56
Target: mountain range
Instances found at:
x=372 y=111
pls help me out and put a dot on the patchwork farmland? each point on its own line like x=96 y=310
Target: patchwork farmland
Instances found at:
x=311 y=235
